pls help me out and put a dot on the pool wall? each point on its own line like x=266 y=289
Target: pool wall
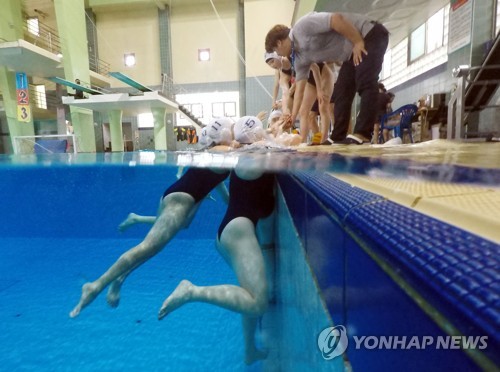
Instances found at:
x=384 y=270
x=298 y=311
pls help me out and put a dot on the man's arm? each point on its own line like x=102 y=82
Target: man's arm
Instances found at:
x=341 y=25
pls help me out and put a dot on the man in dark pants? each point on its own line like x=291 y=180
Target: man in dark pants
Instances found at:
x=353 y=39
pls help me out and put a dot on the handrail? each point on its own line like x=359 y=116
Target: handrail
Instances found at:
x=100 y=66
x=457 y=105
x=43 y=36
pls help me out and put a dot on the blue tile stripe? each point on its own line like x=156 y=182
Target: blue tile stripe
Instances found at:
x=455 y=271
x=325 y=187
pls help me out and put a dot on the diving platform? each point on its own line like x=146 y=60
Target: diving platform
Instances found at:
x=76 y=86
x=20 y=55
x=130 y=105
x=129 y=81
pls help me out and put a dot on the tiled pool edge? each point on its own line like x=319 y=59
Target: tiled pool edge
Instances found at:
x=344 y=269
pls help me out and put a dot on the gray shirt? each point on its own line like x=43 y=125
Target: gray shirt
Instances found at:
x=315 y=41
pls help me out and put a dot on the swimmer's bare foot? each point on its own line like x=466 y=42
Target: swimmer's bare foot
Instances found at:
x=129 y=221
x=254 y=355
x=177 y=298
x=113 y=295
x=89 y=293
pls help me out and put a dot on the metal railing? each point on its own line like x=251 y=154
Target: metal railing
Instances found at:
x=42 y=36
x=99 y=66
x=47 y=38
x=457 y=110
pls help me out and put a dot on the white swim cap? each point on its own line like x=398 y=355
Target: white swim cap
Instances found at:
x=272 y=55
x=217 y=132
x=274 y=114
x=248 y=129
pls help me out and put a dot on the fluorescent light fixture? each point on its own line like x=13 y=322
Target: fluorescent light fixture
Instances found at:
x=204 y=54
x=129 y=59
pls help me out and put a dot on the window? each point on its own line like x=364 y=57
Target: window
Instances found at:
x=197 y=110
x=424 y=49
x=217 y=109
x=33 y=26
x=230 y=109
x=40 y=98
x=208 y=105
x=498 y=17
x=417 y=43
x=435 y=31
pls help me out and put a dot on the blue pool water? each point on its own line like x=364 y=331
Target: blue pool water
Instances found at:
x=59 y=230
x=40 y=283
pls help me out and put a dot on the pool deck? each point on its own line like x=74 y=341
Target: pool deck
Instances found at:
x=472 y=207
x=470 y=154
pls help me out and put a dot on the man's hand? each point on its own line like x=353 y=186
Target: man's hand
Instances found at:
x=357 y=52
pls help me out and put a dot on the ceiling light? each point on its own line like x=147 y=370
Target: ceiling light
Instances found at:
x=129 y=59
x=203 y=55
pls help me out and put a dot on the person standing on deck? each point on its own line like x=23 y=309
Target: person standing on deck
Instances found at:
x=354 y=39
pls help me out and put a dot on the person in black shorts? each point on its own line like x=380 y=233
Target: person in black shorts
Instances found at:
x=251 y=205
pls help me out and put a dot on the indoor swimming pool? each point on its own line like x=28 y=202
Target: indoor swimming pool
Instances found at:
x=59 y=229
x=64 y=233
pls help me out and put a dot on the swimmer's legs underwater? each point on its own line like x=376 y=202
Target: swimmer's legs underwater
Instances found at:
x=239 y=246
x=134 y=218
x=177 y=208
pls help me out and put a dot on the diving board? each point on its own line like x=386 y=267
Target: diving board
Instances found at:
x=129 y=81
x=76 y=86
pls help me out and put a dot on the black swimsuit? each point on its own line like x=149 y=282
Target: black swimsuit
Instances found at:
x=310 y=79
x=251 y=199
x=197 y=182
